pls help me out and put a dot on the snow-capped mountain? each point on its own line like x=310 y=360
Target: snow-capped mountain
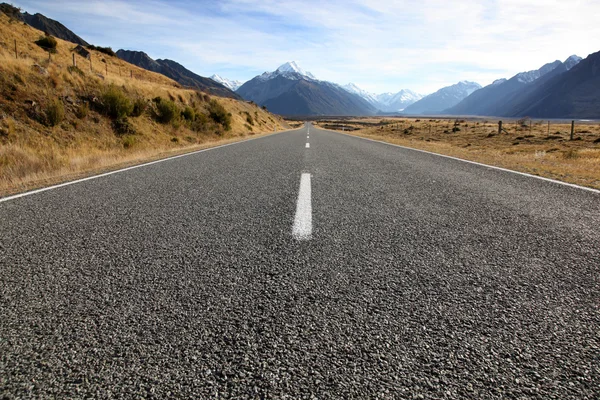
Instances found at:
x=290 y=90
x=443 y=99
x=289 y=70
x=370 y=97
x=387 y=102
x=231 y=84
x=506 y=97
x=530 y=76
x=395 y=102
x=572 y=61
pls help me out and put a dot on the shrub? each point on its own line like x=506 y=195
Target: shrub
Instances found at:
x=128 y=141
x=188 y=113
x=167 y=111
x=106 y=50
x=200 y=123
x=55 y=112
x=219 y=114
x=48 y=43
x=249 y=119
x=456 y=129
x=116 y=104
x=82 y=111
x=122 y=126
x=139 y=106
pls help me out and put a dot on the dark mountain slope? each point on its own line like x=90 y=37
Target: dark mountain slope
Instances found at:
x=176 y=72
x=43 y=23
x=291 y=91
x=573 y=94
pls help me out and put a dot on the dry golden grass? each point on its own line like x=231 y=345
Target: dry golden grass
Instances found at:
x=34 y=153
x=526 y=145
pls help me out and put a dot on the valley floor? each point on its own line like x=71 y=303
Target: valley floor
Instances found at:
x=530 y=146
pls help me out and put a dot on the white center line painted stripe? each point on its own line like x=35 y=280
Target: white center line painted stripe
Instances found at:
x=302 y=229
x=307 y=145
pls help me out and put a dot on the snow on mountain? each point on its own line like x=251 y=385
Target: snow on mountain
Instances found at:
x=572 y=61
x=499 y=81
x=530 y=76
x=233 y=85
x=370 y=97
x=388 y=102
x=289 y=70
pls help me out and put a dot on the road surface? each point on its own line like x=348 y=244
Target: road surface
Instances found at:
x=306 y=264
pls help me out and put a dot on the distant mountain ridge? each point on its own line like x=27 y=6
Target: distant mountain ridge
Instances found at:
x=386 y=102
x=228 y=83
x=290 y=90
x=43 y=23
x=177 y=72
x=508 y=97
x=443 y=99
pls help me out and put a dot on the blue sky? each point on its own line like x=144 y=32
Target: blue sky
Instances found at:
x=382 y=46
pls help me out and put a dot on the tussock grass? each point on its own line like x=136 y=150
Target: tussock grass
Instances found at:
x=40 y=143
x=526 y=145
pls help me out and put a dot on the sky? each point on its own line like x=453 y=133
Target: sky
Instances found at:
x=380 y=45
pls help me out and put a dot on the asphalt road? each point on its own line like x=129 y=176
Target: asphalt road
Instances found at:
x=412 y=276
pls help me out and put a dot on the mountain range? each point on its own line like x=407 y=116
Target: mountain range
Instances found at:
x=386 y=102
x=290 y=90
x=444 y=98
x=177 y=72
x=512 y=97
x=558 y=89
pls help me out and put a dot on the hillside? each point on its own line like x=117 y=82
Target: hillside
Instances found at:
x=177 y=72
x=293 y=92
x=507 y=97
x=572 y=94
x=43 y=23
x=59 y=121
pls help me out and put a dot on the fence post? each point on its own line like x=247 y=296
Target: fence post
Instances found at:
x=74 y=62
x=16 y=53
x=106 y=69
x=548 y=127
x=499 y=127
x=131 y=74
x=49 y=56
x=91 y=69
x=572 y=129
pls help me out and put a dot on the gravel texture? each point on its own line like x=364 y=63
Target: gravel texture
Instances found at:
x=426 y=278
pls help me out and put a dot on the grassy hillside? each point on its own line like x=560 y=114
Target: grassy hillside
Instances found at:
x=58 y=121
x=530 y=146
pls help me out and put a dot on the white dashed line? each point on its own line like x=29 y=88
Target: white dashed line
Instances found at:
x=302 y=229
x=307 y=145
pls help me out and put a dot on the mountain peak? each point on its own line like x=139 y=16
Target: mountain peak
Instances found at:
x=572 y=61
x=228 y=83
x=292 y=67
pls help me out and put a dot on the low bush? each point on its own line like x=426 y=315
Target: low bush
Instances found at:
x=55 y=112
x=188 y=113
x=219 y=114
x=48 y=43
x=82 y=111
x=115 y=103
x=122 y=126
x=106 y=50
x=167 y=111
x=139 y=107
